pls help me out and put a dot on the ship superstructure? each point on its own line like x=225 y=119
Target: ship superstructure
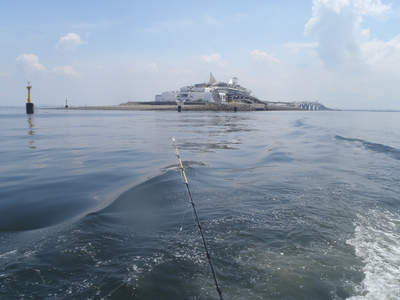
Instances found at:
x=212 y=91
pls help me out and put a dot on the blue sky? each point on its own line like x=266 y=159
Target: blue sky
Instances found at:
x=342 y=53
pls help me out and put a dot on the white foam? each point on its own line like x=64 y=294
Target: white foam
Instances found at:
x=5 y=255
x=377 y=242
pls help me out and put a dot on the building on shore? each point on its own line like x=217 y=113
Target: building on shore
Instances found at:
x=212 y=91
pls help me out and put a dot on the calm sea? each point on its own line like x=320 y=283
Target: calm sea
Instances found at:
x=294 y=205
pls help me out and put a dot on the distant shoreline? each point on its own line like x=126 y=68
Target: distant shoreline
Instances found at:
x=188 y=107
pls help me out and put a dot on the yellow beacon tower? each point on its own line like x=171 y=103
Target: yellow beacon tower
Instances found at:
x=29 y=105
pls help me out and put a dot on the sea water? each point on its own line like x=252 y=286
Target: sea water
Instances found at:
x=294 y=205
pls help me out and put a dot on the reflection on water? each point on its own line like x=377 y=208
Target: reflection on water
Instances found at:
x=31 y=132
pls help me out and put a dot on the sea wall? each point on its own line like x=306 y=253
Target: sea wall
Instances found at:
x=192 y=107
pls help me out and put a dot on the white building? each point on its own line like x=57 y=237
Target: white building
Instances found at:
x=212 y=91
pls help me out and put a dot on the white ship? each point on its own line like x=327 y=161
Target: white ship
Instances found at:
x=213 y=91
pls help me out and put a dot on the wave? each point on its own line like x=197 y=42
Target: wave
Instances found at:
x=376 y=242
x=176 y=167
x=151 y=203
x=375 y=147
x=38 y=209
x=299 y=122
x=211 y=145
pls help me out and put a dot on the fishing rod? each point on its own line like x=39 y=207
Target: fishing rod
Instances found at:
x=186 y=183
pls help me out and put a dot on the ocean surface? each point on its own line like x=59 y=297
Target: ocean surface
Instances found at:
x=294 y=205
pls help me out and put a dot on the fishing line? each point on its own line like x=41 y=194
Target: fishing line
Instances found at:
x=197 y=221
x=146 y=263
x=186 y=183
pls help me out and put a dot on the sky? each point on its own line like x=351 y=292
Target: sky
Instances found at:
x=344 y=54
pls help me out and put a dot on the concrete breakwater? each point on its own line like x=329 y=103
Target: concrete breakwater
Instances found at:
x=189 y=107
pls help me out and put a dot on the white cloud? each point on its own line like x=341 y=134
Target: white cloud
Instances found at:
x=65 y=70
x=69 y=43
x=365 y=7
x=151 y=68
x=30 y=63
x=264 y=56
x=377 y=52
x=214 y=59
x=337 y=25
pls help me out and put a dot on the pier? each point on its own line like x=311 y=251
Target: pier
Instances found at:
x=304 y=105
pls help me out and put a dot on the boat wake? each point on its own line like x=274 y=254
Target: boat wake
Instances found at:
x=377 y=148
x=376 y=242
